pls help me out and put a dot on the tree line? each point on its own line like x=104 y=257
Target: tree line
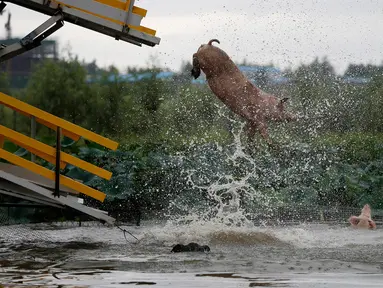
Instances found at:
x=152 y=109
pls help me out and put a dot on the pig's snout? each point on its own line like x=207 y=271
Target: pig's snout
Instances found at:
x=195 y=72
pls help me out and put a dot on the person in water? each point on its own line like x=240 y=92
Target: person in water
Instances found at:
x=364 y=220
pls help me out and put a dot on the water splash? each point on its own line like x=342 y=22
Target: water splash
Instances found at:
x=239 y=182
x=224 y=177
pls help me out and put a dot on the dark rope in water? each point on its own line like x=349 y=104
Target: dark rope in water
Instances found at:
x=54 y=274
x=126 y=231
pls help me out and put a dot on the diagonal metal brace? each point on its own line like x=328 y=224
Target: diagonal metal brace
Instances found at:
x=33 y=39
x=58 y=160
x=2 y=6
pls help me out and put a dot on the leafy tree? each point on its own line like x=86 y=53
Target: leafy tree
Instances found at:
x=184 y=76
x=59 y=87
x=108 y=104
x=372 y=108
x=361 y=70
x=316 y=92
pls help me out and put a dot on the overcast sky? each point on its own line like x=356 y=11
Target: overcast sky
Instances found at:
x=285 y=32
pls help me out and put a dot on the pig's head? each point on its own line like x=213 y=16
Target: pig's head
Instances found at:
x=208 y=58
x=196 y=70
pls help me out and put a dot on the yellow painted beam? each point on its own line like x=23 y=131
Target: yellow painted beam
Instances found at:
x=122 y=6
x=66 y=133
x=113 y=3
x=91 y=13
x=143 y=29
x=75 y=185
x=44 y=149
x=139 y=11
x=47 y=124
x=15 y=109
x=56 y=121
x=38 y=153
x=127 y=5
x=138 y=28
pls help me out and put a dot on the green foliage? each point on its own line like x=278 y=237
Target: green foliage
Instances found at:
x=191 y=115
x=354 y=148
x=372 y=109
x=198 y=178
x=59 y=87
x=360 y=70
x=357 y=175
x=4 y=83
x=149 y=90
x=108 y=106
x=142 y=173
x=177 y=142
x=10 y=147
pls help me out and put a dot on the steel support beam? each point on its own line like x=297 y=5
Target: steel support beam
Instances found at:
x=33 y=39
x=21 y=188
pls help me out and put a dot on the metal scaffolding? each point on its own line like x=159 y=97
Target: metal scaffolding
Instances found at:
x=118 y=19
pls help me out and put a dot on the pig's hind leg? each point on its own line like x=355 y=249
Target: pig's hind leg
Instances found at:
x=252 y=127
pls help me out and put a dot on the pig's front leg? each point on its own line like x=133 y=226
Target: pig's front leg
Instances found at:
x=252 y=127
x=262 y=128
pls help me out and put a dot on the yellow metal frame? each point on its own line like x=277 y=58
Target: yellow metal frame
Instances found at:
x=38 y=153
x=81 y=188
x=124 y=6
x=47 y=152
x=120 y=5
x=54 y=121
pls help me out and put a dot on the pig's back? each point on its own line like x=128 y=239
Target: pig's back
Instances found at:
x=234 y=90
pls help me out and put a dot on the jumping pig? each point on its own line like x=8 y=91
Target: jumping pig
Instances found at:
x=236 y=91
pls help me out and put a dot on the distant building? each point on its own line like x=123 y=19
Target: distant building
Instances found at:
x=20 y=67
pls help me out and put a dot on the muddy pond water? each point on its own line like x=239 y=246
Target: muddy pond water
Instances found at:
x=314 y=255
